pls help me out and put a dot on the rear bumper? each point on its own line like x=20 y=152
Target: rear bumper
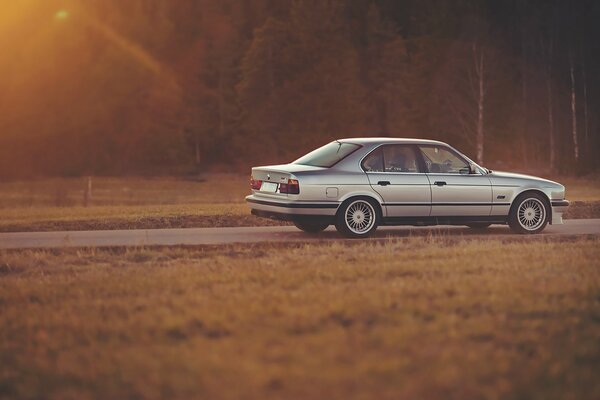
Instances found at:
x=293 y=218
x=289 y=209
x=558 y=208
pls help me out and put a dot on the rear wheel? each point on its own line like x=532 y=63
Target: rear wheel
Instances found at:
x=357 y=217
x=529 y=214
x=311 y=226
x=479 y=225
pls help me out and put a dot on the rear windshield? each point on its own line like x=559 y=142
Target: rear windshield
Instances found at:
x=328 y=155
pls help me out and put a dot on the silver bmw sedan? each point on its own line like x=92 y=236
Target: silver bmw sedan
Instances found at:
x=361 y=183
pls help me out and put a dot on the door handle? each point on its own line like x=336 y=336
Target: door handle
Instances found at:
x=439 y=183
x=383 y=183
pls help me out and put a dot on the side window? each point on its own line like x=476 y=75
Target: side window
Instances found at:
x=399 y=158
x=374 y=161
x=392 y=158
x=439 y=159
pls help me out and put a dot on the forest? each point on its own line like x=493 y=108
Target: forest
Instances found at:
x=112 y=87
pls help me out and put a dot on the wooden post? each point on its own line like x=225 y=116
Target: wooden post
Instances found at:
x=574 y=111
x=478 y=62
x=87 y=193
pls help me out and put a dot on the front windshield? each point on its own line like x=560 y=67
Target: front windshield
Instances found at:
x=328 y=155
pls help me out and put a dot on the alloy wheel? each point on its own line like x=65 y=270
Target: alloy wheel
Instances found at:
x=360 y=217
x=531 y=214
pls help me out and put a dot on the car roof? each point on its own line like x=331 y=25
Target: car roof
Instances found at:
x=381 y=140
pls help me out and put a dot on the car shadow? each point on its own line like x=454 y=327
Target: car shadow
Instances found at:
x=421 y=231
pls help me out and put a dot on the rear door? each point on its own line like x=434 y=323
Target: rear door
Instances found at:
x=394 y=172
x=455 y=191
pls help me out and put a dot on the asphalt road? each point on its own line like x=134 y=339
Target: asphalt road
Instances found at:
x=209 y=236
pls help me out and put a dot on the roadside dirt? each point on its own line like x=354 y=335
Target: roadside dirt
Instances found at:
x=583 y=209
x=158 y=222
x=577 y=210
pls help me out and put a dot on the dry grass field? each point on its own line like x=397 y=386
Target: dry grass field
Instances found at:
x=581 y=189
x=124 y=191
x=416 y=318
x=125 y=203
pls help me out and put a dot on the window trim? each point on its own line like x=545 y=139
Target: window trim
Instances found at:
x=414 y=147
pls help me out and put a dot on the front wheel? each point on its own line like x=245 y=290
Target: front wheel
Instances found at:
x=357 y=218
x=529 y=214
x=311 y=227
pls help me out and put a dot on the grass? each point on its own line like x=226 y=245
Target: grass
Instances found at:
x=417 y=318
x=125 y=191
x=129 y=217
x=124 y=203
x=581 y=189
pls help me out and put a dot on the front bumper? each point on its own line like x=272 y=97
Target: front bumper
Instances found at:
x=559 y=207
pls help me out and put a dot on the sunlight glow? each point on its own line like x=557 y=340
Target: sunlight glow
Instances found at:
x=61 y=15
x=135 y=51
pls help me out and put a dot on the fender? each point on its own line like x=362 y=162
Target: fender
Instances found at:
x=541 y=191
x=373 y=195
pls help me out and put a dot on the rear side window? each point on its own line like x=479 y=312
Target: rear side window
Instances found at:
x=392 y=158
x=374 y=161
x=328 y=155
x=400 y=159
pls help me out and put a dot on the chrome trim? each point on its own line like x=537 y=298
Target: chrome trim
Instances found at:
x=446 y=204
x=449 y=174
x=395 y=172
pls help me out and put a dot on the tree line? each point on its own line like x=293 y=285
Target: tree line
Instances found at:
x=150 y=86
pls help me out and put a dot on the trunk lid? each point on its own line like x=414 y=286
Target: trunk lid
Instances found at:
x=281 y=173
x=278 y=174
x=269 y=174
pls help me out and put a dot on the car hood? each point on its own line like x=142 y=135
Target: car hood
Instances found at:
x=499 y=177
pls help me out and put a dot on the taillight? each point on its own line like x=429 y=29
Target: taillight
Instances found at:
x=255 y=183
x=291 y=187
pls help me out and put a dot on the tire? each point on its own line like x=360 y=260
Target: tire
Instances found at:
x=479 y=225
x=529 y=214
x=311 y=226
x=358 y=217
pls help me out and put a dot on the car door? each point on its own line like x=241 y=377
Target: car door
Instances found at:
x=455 y=191
x=395 y=172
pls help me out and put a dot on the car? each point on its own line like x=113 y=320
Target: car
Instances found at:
x=359 y=184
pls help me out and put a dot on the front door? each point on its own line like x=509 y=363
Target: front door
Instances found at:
x=454 y=190
x=393 y=171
